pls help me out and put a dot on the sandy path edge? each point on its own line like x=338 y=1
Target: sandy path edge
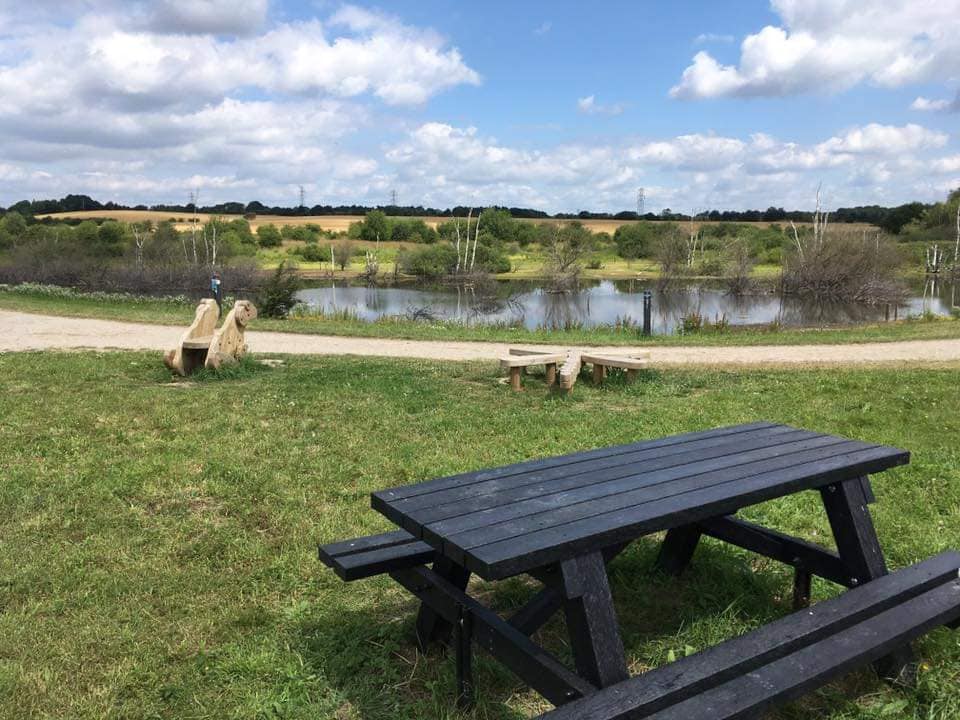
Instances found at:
x=27 y=331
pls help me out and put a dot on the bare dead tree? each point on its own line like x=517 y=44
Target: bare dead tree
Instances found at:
x=476 y=239
x=934 y=259
x=956 y=246
x=210 y=245
x=139 y=238
x=820 y=220
x=457 y=270
x=467 y=248
x=194 y=200
x=693 y=239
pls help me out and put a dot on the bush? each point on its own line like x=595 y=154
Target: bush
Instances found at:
x=269 y=236
x=342 y=254
x=312 y=253
x=641 y=239
x=431 y=261
x=845 y=267
x=277 y=295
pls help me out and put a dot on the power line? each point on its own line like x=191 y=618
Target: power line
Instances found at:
x=303 y=197
x=393 y=197
x=641 y=199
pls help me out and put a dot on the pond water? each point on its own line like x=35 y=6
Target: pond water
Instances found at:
x=606 y=302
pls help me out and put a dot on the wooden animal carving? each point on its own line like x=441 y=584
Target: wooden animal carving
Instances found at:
x=191 y=351
x=227 y=344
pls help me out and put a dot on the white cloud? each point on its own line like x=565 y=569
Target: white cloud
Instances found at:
x=137 y=98
x=589 y=106
x=704 y=38
x=831 y=45
x=543 y=28
x=221 y=17
x=938 y=105
x=949 y=164
x=871 y=163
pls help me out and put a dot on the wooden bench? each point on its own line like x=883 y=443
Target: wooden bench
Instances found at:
x=631 y=363
x=789 y=657
x=519 y=360
x=570 y=363
x=375 y=554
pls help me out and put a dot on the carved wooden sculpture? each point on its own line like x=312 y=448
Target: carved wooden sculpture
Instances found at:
x=227 y=345
x=191 y=351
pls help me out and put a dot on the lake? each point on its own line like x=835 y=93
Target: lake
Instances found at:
x=606 y=302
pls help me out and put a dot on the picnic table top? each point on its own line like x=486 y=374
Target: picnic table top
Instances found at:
x=505 y=521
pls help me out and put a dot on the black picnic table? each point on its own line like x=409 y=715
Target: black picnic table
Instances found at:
x=562 y=519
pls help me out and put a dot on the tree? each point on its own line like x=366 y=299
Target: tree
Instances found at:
x=278 y=294
x=342 y=254
x=633 y=241
x=375 y=227
x=565 y=250
x=268 y=236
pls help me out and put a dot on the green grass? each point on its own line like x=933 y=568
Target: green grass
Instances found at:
x=168 y=312
x=158 y=538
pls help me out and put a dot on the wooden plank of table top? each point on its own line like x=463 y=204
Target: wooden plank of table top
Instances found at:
x=493 y=494
x=405 y=491
x=673 y=454
x=539 y=513
x=516 y=555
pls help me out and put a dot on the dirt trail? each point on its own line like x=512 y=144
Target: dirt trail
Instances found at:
x=26 y=331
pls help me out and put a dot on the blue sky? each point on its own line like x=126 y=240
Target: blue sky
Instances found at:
x=564 y=106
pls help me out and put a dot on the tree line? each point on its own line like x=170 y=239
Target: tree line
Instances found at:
x=891 y=219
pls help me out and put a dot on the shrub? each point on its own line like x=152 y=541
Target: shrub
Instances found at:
x=312 y=253
x=277 y=295
x=431 y=261
x=269 y=236
x=737 y=267
x=342 y=254
x=844 y=267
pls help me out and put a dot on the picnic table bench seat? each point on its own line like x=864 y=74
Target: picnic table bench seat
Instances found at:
x=788 y=657
x=365 y=557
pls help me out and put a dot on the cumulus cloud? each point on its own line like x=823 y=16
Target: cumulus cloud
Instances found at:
x=936 y=105
x=147 y=93
x=457 y=165
x=589 y=106
x=831 y=45
x=220 y=17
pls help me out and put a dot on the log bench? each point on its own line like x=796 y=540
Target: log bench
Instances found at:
x=631 y=363
x=570 y=363
x=519 y=360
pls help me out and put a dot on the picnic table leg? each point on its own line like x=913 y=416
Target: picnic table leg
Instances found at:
x=430 y=626
x=677 y=549
x=592 y=621
x=464 y=638
x=801 y=588
x=859 y=547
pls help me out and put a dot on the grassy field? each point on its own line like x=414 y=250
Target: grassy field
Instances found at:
x=168 y=312
x=158 y=538
x=342 y=222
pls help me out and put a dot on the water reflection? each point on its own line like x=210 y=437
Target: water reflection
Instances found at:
x=608 y=302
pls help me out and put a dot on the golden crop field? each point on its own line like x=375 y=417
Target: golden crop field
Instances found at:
x=342 y=222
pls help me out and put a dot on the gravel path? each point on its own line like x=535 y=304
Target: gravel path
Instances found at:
x=27 y=331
